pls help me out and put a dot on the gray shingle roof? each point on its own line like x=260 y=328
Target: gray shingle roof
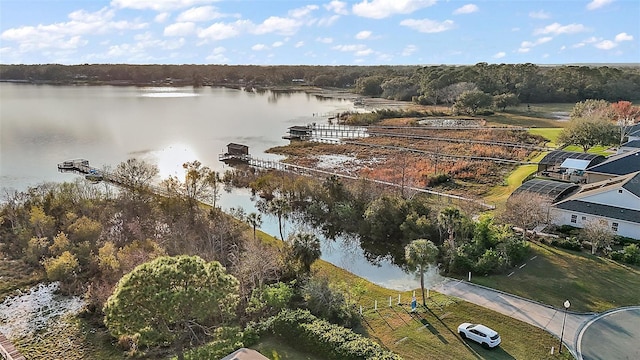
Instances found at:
x=620 y=164
x=612 y=212
x=631 y=144
x=633 y=185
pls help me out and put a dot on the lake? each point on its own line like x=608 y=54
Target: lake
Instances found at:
x=43 y=125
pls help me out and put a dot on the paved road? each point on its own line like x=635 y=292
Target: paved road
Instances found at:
x=612 y=335
x=534 y=313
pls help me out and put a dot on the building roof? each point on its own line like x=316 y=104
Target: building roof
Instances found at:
x=634 y=130
x=633 y=184
x=619 y=164
x=631 y=144
x=556 y=157
x=554 y=190
x=612 y=212
x=575 y=164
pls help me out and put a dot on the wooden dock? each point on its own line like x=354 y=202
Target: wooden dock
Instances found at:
x=312 y=172
x=8 y=351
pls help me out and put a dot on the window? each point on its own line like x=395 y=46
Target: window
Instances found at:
x=574 y=218
x=614 y=226
x=584 y=218
x=620 y=191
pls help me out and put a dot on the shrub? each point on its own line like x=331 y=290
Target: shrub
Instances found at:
x=61 y=268
x=490 y=262
x=328 y=340
x=437 y=179
x=569 y=244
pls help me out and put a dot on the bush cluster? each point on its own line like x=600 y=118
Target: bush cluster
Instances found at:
x=323 y=338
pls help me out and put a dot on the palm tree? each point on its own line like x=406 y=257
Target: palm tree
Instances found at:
x=450 y=219
x=280 y=208
x=419 y=254
x=305 y=248
x=254 y=220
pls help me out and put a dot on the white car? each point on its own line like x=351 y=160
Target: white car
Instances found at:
x=479 y=333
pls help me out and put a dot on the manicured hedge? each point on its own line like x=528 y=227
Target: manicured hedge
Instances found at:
x=303 y=329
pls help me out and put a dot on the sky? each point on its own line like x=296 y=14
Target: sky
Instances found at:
x=323 y=32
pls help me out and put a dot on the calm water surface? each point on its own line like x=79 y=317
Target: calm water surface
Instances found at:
x=41 y=126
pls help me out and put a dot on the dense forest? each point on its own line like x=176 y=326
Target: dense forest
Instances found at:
x=439 y=84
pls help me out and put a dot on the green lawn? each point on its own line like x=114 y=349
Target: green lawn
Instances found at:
x=550 y=134
x=600 y=150
x=432 y=332
x=275 y=349
x=591 y=283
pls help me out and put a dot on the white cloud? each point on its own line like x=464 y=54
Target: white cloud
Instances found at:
x=409 y=50
x=525 y=46
x=221 y=31
x=277 y=44
x=558 y=29
x=466 y=9
x=500 y=55
x=303 y=11
x=539 y=15
x=428 y=26
x=299 y=44
x=623 y=37
x=605 y=45
x=328 y=21
x=338 y=7
x=158 y=5
x=180 y=29
x=162 y=17
x=595 y=4
x=278 y=25
x=365 y=34
x=380 y=9
x=217 y=56
x=363 y=52
x=350 y=48
x=68 y=35
x=259 y=47
x=325 y=40
x=197 y=14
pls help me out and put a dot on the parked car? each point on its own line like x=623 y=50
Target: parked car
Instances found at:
x=481 y=334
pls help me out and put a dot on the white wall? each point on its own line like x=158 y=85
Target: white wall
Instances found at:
x=625 y=199
x=625 y=228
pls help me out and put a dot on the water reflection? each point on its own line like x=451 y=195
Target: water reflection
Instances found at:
x=344 y=251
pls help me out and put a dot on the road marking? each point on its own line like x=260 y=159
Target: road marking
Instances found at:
x=523 y=265
x=534 y=257
x=511 y=273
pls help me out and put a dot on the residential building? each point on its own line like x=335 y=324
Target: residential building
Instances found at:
x=614 y=202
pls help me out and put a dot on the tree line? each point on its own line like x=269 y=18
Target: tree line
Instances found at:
x=438 y=84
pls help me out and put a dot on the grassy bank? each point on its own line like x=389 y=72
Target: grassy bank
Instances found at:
x=431 y=333
x=591 y=283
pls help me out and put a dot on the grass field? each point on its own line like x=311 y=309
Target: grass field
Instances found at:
x=550 y=134
x=600 y=150
x=591 y=283
x=431 y=333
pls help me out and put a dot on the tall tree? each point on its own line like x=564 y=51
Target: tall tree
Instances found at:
x=171 y=300
x=305 y=249
x=471 y=101
x=598 y=234
x=254 y=220
x=420 y=254
x=526 y=211
x=587 y=133
x=450 y=220
x=626 y=115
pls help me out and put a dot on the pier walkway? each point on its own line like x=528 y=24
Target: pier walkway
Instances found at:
x=313 y=172
x=8 y=351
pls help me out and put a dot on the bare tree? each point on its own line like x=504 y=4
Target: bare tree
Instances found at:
x=598 y=233
x=526 y=211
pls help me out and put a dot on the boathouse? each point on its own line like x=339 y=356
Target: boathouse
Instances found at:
x=235 y=152
x=298 y=132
